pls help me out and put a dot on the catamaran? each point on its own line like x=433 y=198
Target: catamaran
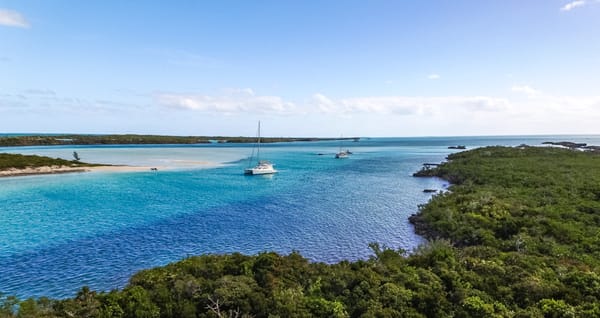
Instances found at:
x=262 y=166
x=342 y=154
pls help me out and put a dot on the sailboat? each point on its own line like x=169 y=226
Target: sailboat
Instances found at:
x=342 y=154
x=262 y=166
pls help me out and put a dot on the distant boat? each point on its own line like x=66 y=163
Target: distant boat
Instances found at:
x=342 y=154
x=262 y=166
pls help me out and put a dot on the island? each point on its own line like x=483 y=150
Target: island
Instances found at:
x=51 y=140
x=515 y=235
x=567 y=144
x=573 y=145
x=12 y=165
x=17 y=165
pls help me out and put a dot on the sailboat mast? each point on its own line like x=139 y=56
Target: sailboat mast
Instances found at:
x=258 y=144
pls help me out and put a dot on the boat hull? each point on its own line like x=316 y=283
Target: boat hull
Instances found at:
x=254 y=171
x=263 y=166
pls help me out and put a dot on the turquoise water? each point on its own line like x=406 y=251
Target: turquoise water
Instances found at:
x=58 y=233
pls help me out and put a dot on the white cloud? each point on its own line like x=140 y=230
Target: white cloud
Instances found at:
x=408 y=105
x=323 y=103
x=12 y=19
x=47 y=101
x=320 y=115
x=527 y=90
x=572 y=5
x=469 y=115
x=434 y=76
x=232 y=101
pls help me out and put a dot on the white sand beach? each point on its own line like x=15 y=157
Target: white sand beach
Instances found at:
x=180 y=164
x=12 y=172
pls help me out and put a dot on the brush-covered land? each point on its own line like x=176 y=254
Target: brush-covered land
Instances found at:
x=18 y=161
x=516 y=235
x=49 y=140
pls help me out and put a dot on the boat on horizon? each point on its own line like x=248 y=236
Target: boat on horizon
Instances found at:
x=342 y=154
x=262 y=166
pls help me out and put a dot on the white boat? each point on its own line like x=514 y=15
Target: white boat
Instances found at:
x=262 y=166
x=342 y=154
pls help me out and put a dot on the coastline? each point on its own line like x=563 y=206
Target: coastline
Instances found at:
x=491 y=230
x=43 y=170
x=132 y=139
x=487 y=231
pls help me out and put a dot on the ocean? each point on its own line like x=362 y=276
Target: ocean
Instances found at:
x=61 y=232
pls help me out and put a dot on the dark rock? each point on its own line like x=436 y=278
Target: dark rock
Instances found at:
x=567 y=144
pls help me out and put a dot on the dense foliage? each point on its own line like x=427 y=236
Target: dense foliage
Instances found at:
x=18 y=161
x=517 y=235
x=135 y=139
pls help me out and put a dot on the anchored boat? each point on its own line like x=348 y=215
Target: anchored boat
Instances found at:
x=262 y=166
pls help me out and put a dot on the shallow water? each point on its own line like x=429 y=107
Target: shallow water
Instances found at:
x=60 y=232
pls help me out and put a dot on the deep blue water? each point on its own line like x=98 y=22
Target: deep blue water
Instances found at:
x=58 y=233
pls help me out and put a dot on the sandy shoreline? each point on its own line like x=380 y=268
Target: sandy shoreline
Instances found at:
x=13 y=172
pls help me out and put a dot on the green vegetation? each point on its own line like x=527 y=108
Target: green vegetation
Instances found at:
x=8 y=161
x=136 y=139
x=517 y=235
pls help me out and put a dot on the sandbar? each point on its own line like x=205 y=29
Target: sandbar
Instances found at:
x=14 y=172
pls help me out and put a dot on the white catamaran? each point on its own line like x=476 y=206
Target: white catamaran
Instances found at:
x=262 y=166
x=342 y=154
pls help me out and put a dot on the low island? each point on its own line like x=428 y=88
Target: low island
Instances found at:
x=52 y=140
x=573 y=145
x=19 y=165
x=515 y=235
x=13 y=165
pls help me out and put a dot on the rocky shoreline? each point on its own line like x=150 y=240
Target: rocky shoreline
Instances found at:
x=573 y=145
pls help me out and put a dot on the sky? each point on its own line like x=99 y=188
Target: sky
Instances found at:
x=304 y=68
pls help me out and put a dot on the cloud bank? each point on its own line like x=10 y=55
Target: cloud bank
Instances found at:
x=406 y=105
x=527 y=90
x=526 y=111
x=12 y=19
x=231 y=101
x=246 y=102
x=572 y=5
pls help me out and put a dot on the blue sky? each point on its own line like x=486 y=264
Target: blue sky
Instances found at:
x=305 y=68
